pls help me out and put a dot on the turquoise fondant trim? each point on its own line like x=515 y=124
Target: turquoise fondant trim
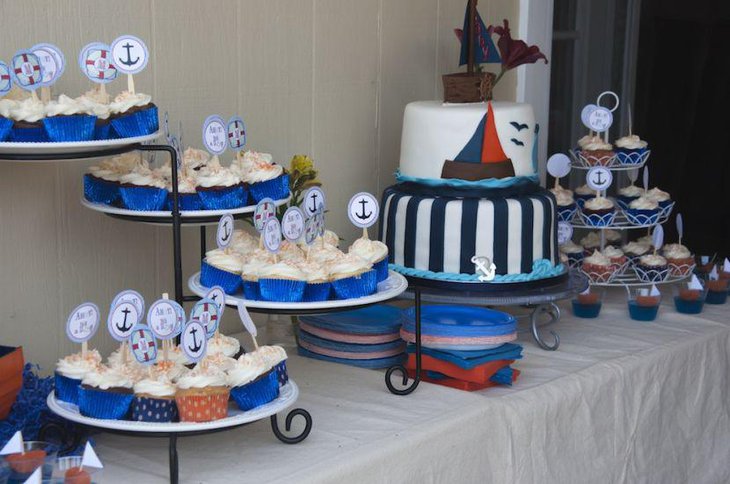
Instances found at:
x=541 y=269
x=456 y=183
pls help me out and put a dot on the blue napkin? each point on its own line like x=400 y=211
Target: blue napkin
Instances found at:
x=503 y=376
x=471 y=359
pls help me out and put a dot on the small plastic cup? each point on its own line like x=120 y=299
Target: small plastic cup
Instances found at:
x=705 y=268
x=588 y=305
x=716 y=292
x=643 y=307
x=67 y=470
x=689 y=301
x=36 y=454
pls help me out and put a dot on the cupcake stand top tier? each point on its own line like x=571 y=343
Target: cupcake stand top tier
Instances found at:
x=73 y=150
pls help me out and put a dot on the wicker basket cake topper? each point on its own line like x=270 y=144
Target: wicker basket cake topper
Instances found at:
x=477 y=48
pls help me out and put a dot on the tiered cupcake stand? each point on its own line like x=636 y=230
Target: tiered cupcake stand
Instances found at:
x=47 y=152
x=625 y=276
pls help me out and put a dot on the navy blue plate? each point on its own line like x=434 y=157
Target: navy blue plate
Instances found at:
x=460 y=321
x=377 y=319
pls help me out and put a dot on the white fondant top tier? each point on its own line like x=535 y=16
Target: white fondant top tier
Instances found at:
x=434 y=131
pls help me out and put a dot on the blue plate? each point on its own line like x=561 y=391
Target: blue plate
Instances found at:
x=349 y=347
x=377 y=319
x=372 y=364
x=460 y=321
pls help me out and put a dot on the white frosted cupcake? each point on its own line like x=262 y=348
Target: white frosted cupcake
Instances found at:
x=352 y=277
x=106 y=393
x=282 y=282
x=202 y=395
x=598 y=267
x=220 y=188
x=679 y=258
x=374 y=252
x=226 y=346
x=599 y=211
x=630 y=149
x=317 y=276
x=143 y=189
x=154 y=399
x=222 y=267
x=70 y=370
x=252 y=385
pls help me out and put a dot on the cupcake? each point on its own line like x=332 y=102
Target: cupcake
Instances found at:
x=96 y=103
x=634 y=250
x=642 y=211
x=265 y=179
x=6 y=122
x=282 y=282
x=221 y=267
x=67 y=120
x=202 y=395
x=243 y=242
x=28 y=121
x=318 y=286
x=219 y=361
x=187 y=192
x=143 y=190
x=223 y=345
x=582 y=194
x=274 y=357
x=325 y=253
x=617 y=257
x=597 y=152
x=680 y=259
x=252 y=385
x=591 y=242
x=651 y=268
x=106 y=393
x=646 y=240
x=566 y=203
x=290 y=251
x=254 y=261
x=352 y=277
x=154 y=399
x=663 y=199
x=573 y=252
x=115 y=362
x=195 y=159
x=220 y=188
x=374 y=252
x=133 y=114
x=630 y=150
x=628 y=194
x=101 y=183
x=598 y=267
x=599 y=212
x=70 y=371
x=613 y=237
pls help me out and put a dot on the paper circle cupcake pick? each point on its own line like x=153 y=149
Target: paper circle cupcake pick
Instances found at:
x=314 y=201
x=96 y=63
x=558 y=165
x=565 y=232
x=585 y=114
x=83 y=322
x=292 y=224
x=599 y=178
x=600 y=119
x=214 y=134
x=6 y=80
x=133 y=297
x=236 y=132
x=123 y=317
x=248 y=323
x=657 y=237
x=143 y=345
x=311 y=230
x=207 y=312
x=608 y=93
x=224 y=233
x=680 y=227
x=129 y=54
x=193 y=341
x=272 y=235
x=27 y=70
x=165 y=318
x=264 y=210
x=646 y=178
x=52 y=62
x=218 y=296
x=363 y=210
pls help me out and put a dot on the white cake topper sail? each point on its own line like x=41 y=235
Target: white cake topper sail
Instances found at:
x=14 y=445
x=90 y=459
x=694 y=283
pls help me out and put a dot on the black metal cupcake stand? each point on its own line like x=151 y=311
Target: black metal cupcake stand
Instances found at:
x=176 y=220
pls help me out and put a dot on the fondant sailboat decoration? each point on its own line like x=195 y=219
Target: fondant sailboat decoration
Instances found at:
x=484 y=49
x=483 y=156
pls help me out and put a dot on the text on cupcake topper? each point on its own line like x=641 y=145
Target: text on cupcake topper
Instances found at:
x=52 y=60
x=214 y=134
x=272 y=235
x=165 y=318
x=292 y=224
x=83 y=322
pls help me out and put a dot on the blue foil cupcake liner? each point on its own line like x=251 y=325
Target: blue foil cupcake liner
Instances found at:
x=76 y=127
x=282 y=375
x=223 y=198
x=258 y=392
x=276 y=188
x=102 y=129
x=666 y=208
x=381 y=270
x=186 y=201
x=251 y=290
x=630 y=157
x=146 y=409
x=104 y=404
x=356 y=286
x=35 y=134
x=281 y=290
x=67 y=389
x=149 y=119
x=319 y=291
x=6 y=126
x=98 y=190
x=129 y=125
x=565 y=214
x=212 y=276
x=637 y=216
x=143 y=198
x=624 y=201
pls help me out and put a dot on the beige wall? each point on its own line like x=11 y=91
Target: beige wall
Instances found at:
x=329 y=78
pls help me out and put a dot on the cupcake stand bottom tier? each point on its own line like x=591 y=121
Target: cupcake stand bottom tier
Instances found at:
x=237 y=418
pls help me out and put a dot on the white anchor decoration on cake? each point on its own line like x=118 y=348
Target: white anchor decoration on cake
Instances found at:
x=485 y=268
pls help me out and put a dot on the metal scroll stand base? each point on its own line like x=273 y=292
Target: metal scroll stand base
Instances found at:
x=539 y=299
x=70 y=437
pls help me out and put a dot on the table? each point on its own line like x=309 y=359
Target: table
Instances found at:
x=620 y=401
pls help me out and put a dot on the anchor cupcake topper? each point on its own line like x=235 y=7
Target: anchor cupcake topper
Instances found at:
x=292 y=224
x=314 y=201
x=27 y=70
x=52 y=61
x=599 y=178
x=363 y=210
x=208 y=313
x=214 y=134
x=193 y=341
x=236 y=132
x=96 y=63
x=6 y=80
x=129 y=54
x=271 y=234
x=224 y=234
x=143 y=345
x=165 y=318
x=83 y=322
x=123 y=317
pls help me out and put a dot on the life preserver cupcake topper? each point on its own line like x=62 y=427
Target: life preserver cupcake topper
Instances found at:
x=236 y=133
x=217 y=295
x=96 y=63
x=194 y=341
x=215 y=134
x=207 y=312
x=27 y=70
x=82 y=324
x=143 y=345
x=224 y=233
x=264 y=210
x=6 y=80
x=292 y=224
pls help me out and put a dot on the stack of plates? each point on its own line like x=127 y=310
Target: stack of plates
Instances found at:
x=367 y=337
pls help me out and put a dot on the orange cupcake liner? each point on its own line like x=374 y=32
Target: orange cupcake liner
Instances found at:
x=202 y=405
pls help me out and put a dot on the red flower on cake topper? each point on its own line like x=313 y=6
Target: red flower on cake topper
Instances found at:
x=514 y=52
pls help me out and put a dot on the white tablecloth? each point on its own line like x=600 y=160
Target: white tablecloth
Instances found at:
x=620 y=401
